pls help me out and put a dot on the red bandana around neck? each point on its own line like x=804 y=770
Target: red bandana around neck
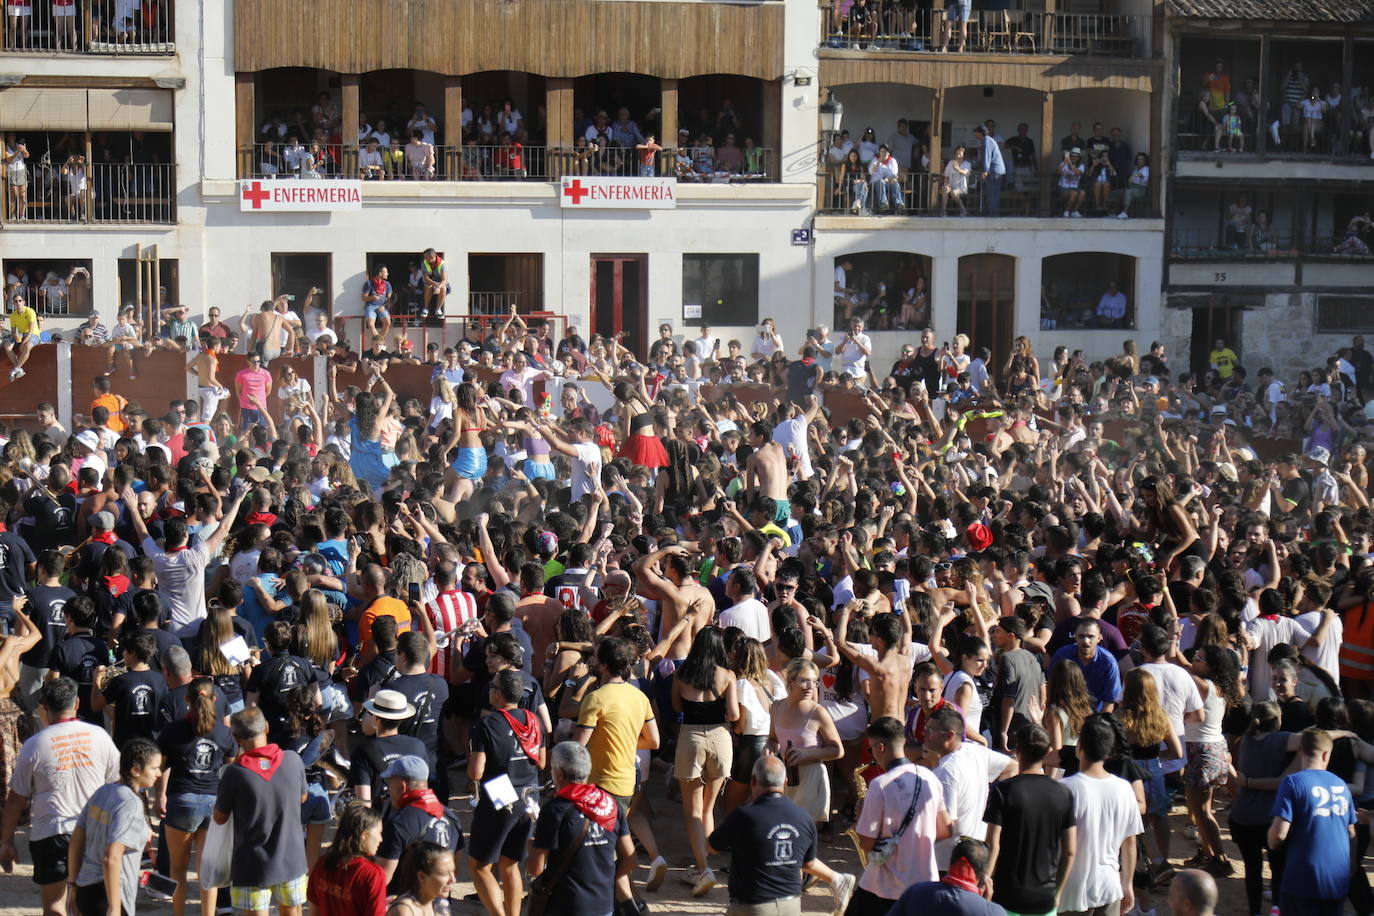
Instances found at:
x=261 y=518
x=262 y=760
x=597 y=804
x=105 y=537
x=117 y=585
x=526 y=735
x=425 y=800
x=961 y=876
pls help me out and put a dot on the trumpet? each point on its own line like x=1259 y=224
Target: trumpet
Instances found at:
x=105 y=675
x=860 y=790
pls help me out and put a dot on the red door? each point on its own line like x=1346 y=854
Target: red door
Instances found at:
x=620 y=299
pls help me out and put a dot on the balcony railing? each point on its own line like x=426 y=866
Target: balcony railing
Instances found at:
x=1013 y=32
x=123 y=27
x=1206 y=245
x=500 y=163
x=103 y=193
x=921 y=196
x=493 y=303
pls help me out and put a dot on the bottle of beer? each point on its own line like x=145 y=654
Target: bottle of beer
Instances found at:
x=793 y=771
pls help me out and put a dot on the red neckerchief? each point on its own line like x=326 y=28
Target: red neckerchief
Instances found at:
x=4 y=527
x=1269 y=617
x=261 y=518
x=425 y=800
x=262 y=760
x=961 y=876
x=597 y=804
x=117 y=585
x=526 y=735
x=106 y=537
x=808 y=361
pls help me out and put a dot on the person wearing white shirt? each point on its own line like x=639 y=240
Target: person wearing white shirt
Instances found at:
x=768 y=341
x=748 y=613
x=885 y=178
x=706 y=344
x=965 y=771
x=1108 y=821
x=370 y=161
x=854 y=349
x=791 y=435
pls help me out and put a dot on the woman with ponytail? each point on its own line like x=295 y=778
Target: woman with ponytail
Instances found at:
x=195 y=749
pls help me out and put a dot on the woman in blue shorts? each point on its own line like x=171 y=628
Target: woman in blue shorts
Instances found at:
x=469 y=422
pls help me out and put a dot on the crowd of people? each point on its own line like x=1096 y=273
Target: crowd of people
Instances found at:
x=1098 y=172
x=1010 y=629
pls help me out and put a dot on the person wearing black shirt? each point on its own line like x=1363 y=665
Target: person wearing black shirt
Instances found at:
x=146 y=608
x=803 y=375
x=587 y=819
x=416 y=815
x=136 y=694
x=381 y=670
x=102 y=538
x=44 y=609
x=80 y=653
x=176 y=668
x=925 y=364
x=1029 y=820
x=771 y=841
x=270 y=681
x=53 y=510
x=427 y=693
x=194 y=748
x=1292 y=493
x=506 y=741
x=16 y=563
x=382 y=715
x=1022 y=148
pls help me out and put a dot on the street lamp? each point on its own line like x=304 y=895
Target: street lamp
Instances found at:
x=831 y=111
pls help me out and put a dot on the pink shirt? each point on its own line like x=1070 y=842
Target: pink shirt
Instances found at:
x=885 y=807
x=252 y=383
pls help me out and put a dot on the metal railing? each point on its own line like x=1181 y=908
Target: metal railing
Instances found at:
x=1204 y=244
x=501 y=163
x=88 y=27
x=493 y=303
x=921 y=196
x=1012 y=32
x=93 y=194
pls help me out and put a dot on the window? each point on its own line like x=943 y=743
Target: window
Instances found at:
x=1085 y=291
x=52 y=286
x=1345 y=314
x=726 y=286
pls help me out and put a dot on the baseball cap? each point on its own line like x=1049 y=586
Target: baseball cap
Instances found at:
x=89 y=439
x=103 y=520
x=408 y=767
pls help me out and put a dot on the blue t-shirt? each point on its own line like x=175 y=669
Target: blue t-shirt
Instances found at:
x=252 y=610
x=1319 y=809
x=1102 y=675
x=935 y=897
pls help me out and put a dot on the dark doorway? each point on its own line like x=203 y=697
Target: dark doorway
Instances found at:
x=1215 y=317
x=295 y=274
x=620 y=297
x=987 y=299
x=498 y=281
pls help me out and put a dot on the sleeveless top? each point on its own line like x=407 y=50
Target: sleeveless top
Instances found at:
x=953 y=682
x=704 y=712
x=799 y=737
x=1208 y=731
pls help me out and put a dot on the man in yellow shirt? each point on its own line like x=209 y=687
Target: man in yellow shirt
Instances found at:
x=1223 y=359
x=24 y=328
x=616 y=720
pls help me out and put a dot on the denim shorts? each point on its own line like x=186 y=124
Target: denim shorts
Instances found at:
x=317 y=808
x=189 y=812
x=373 y=310
x=958 y=11
x=1157 y=801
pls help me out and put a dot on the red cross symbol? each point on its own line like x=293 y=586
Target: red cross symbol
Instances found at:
x=576 y=191
x=256 y=194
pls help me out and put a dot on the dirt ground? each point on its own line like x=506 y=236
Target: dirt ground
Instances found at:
x=18 y=895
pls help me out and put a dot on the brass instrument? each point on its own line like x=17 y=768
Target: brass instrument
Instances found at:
x=104 y=676
x=860 y=790
x=72 y=555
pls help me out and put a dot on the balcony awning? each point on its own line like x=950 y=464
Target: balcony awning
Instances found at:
x=23 y=108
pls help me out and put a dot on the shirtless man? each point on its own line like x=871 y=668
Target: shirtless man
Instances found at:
x=265 y=329
x=205 y=364
x=678 y=594
x=889 y=675
x=765 y=473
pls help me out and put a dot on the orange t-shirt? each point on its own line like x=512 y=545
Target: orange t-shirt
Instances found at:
x=383 y=607
x=114 y=404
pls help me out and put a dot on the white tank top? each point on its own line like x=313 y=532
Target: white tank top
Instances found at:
x=956 y=680
x=1208 y=731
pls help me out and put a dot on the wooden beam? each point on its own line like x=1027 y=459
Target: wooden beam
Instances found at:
x=1049 y=154
x=558 y=109
x=668 y=117
x=245 y=120
x=453 y=111
x=937 y=159
x=772 y=126
x=1347 y=84
x=348 y=90
x=1266 y=85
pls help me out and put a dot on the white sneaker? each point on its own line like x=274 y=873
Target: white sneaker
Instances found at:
x=1076 y=215
x=843 y=889
x=658 y=870
x=16 y=374
x=1065 y=214
x=705 y=881
x=1123 y=215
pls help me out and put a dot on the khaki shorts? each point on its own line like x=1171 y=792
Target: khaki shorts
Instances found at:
x=703 y=752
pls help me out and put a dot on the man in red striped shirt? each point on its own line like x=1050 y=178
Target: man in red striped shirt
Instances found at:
x=449 y=610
